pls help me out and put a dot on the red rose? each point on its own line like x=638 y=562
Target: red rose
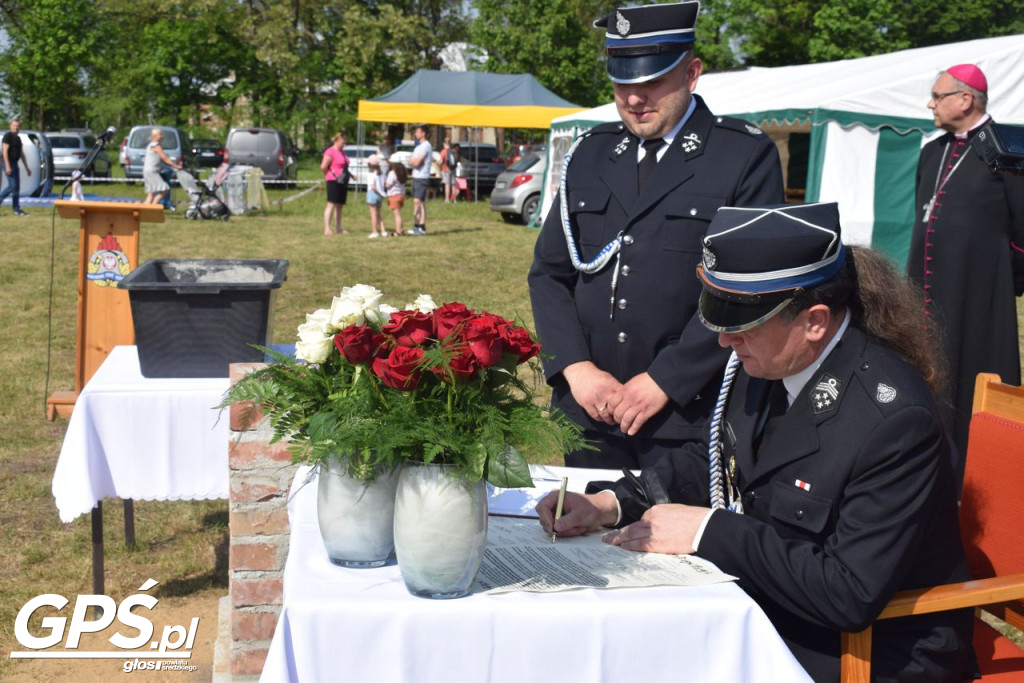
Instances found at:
x=484 y=340
x=518 y=342
x=409 y=328
x=399 y=369
x=356 y=344
x=449 y=317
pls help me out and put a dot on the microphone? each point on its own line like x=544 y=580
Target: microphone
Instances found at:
x=107 y=134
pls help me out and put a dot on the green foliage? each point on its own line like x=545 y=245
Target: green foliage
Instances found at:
x=550 y=40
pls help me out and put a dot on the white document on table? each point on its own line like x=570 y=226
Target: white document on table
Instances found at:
x=521 y=557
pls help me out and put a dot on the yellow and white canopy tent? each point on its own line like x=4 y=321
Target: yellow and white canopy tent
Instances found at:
x=468 y=98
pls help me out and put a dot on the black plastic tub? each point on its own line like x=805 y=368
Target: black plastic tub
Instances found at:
x=193 y=317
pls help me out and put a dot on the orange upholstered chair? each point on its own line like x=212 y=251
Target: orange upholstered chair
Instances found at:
x=992 y=525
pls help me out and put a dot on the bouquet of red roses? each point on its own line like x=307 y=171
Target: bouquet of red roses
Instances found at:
x=374 y=385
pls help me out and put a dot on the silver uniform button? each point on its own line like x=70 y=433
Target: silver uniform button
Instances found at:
x=628 y=239
x=625 y=271
x=693 y=212
x=582 y=204
x=622 y=304
x=623 y=337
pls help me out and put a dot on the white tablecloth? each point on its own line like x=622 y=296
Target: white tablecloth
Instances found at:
x=362 y=625
x=137 y=438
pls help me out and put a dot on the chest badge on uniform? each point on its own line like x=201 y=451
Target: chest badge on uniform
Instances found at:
x=622 y=146
x=691 y=142
x=885 y=393
x=825 y=394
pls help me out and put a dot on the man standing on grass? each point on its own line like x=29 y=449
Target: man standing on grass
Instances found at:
x=11 y=145
x=612 y=287
x=420 y=163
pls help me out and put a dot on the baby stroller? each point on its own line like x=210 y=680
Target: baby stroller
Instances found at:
x=204 y=200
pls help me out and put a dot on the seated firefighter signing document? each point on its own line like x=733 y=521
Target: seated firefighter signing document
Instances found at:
x=826 y=483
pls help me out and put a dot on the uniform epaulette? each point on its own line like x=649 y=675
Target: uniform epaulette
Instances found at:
x=738 y=125
x=609 y=127
x=885 y=384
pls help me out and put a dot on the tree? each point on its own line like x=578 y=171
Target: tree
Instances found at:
x=47 y=64
x=549 y=40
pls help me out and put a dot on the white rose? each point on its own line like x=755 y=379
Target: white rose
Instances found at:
x=314 y=344
x=322 y=317
x=424 y=303
x=347 y=311
x=367 y=295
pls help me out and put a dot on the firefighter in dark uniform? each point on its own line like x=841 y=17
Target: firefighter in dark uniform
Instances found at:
x=825 y=484
x=612 y=288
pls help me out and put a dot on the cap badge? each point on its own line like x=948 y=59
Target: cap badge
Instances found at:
x=885 y=393
x=691 y=142
x=622 y=146
x=825 y=394
x=754 y=130
x=710 y=260
x=621 y=24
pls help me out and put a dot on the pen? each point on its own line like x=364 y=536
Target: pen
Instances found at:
x=558 y=507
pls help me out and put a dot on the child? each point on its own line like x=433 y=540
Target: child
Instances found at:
x=394 y=187
x=375 y=196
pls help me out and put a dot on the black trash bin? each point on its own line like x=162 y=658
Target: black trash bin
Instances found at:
x=193 y=317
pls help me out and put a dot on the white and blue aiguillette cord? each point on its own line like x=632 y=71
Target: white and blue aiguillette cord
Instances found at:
x=605 y=255
x=716 y=474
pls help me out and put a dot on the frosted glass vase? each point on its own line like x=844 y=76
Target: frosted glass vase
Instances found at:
x=440 y=530
x=356 y=517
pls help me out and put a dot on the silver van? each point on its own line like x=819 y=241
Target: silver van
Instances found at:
x=266 y=148
x=175 y=143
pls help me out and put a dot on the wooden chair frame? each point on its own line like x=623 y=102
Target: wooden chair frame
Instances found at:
x=995 y=595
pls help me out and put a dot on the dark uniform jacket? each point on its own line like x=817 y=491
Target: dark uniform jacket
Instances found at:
x=971 y=273
x=849 y=498
x=713 y=162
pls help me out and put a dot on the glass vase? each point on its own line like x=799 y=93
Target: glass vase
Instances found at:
x=356 y=517
x=440 y=530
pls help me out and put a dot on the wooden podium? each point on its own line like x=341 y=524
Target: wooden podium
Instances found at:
x=108 y=249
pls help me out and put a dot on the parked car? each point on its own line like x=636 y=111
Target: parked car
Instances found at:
x=357 y=155
x=516 y=193
x=481 y=164
x=71 y=147
x=266 y=148
x=519 y=151
x=133 y=151
x=403 y=152
x=208 y=152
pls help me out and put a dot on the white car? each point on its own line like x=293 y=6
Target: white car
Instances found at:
x=357 y=155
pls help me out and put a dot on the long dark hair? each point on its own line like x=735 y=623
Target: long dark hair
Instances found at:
x=884 y=305
x=400 y=173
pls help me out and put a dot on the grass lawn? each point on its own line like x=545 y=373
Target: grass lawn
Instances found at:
x=470 y=255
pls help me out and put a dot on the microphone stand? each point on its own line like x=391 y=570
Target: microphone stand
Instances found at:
x=75 y=175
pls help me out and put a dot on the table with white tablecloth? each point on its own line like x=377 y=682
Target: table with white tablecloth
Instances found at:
x=140 y=438
x=362 y=625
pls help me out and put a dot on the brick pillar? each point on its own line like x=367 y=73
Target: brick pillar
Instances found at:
x=260 y=476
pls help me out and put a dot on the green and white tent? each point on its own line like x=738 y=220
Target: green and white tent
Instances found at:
x=867 y=120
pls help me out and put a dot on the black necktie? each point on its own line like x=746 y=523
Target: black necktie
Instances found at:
x=649 y=161
x=776 y=404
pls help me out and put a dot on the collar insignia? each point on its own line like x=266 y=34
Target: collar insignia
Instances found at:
x=885 y=393
x=691 y=142
x=825 y=394
x=621 y=24
x=622 y=146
